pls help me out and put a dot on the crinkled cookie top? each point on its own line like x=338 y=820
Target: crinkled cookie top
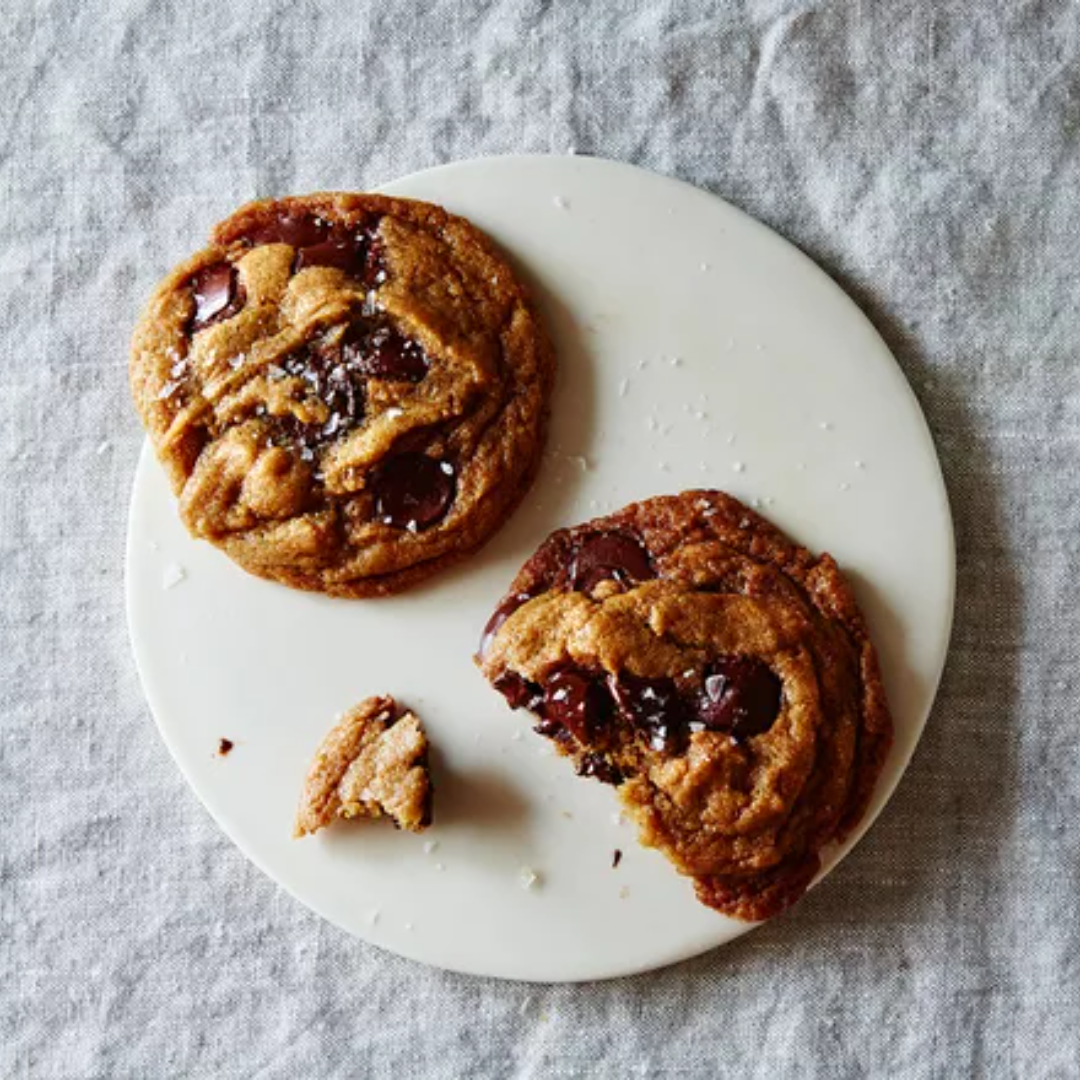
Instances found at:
x=347 y=391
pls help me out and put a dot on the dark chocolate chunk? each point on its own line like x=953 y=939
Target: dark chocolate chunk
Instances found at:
x=386 y=354
x=609 y=556
x=740 y=695
x=299 y=230
x=413 y=491
x=217 y=296
x=600 y=768
x=224 y=746
x=653 y=705
x=519 y=692
x=577 y=701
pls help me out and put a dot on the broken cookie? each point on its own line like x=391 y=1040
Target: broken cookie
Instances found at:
x=374 y=762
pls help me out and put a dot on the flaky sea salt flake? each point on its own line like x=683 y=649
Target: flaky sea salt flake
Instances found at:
x=528 y=877
x=173 y=574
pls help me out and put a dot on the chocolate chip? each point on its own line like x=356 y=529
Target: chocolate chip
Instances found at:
x=616 y=858
x=653 y=705
x=386 y=354
x=609 y=556
x=299 y=230
x=224 y=746
x=503 y=612
x=332 y=382
x=216 y=295
x=348 y=253
x=319 y=242
x=519 y=692
x=413 y=491
x=577 y=701
x=740 y=695
x=599 y=768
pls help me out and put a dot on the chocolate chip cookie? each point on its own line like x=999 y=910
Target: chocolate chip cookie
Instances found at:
x=348 y=392
x=719 y=675
x=374 y=762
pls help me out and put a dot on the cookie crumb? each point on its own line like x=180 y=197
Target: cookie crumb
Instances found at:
x=224 y=746
x=624 y=892
x=373 y=763
x=616 y=858
x=173 y=574
x=528 y=877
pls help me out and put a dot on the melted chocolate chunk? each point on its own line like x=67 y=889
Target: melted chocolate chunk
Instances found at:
x=217 y=296
x=577 y=701
x=318 y=242
x=600 y=768
x=519 y=692
x=348 y=253
x=386 y=354
x=334 y=383
x=499 y=616
x=413 y=491
x=299 y=230
x=655 y=706
x=609 y=556
x=740 y=695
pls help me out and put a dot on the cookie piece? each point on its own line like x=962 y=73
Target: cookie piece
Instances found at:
x=374 y=762
x=348 y=392
x=720 y=676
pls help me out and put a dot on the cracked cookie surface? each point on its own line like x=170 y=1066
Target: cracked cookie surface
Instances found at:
x=718 y=675
x=347 y=392
x=372 y=763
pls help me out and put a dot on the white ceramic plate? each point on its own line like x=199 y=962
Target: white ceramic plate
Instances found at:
x=697 y=349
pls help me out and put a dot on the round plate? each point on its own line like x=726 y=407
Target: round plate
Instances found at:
x=696 y=349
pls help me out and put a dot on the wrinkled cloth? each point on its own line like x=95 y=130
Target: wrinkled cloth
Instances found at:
x=926 y=154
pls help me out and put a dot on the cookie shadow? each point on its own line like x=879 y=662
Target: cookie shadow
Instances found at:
x=481 y=799
x=569 y=453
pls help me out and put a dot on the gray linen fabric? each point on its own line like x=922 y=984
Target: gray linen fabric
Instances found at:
x=926 y=153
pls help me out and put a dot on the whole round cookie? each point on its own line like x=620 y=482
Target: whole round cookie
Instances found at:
x=719 y=675
x=348 y=392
